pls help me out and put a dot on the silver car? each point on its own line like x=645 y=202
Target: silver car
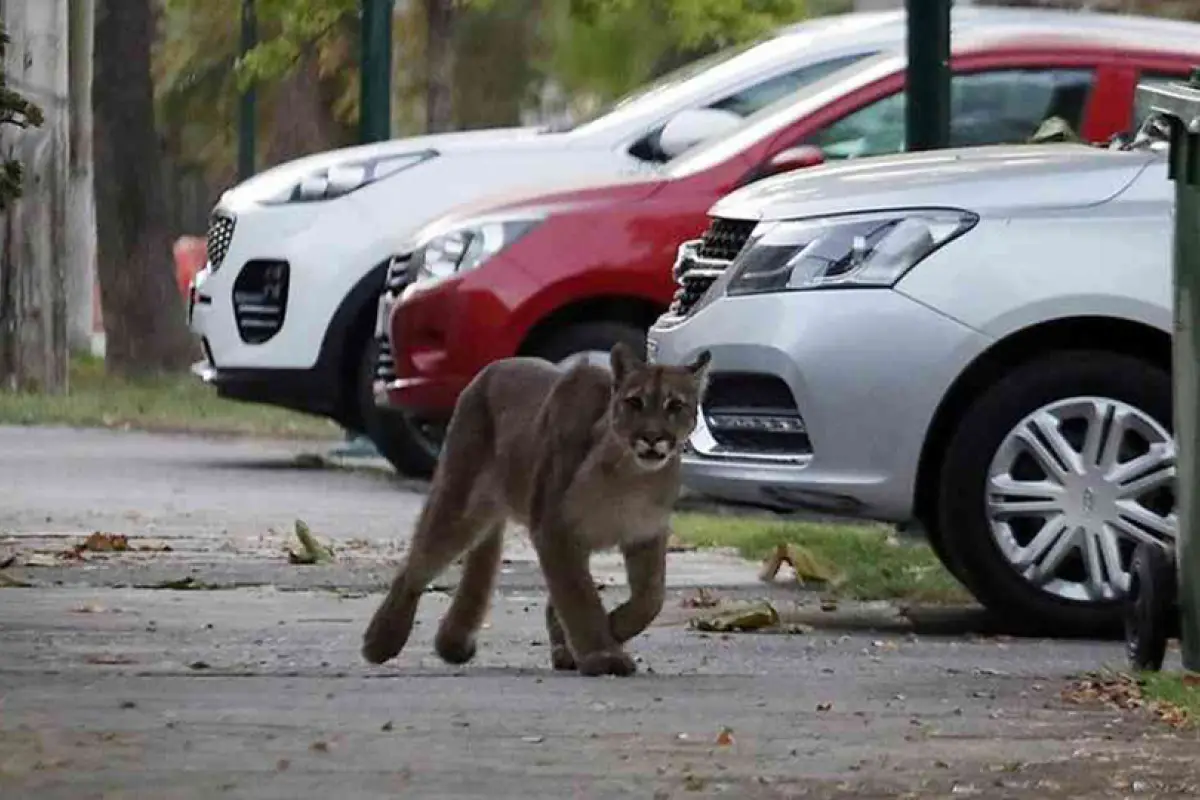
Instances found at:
x=977 y=341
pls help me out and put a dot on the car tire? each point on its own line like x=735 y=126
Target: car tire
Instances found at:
x=408 y=445
x=984 y=441
x=590 y=337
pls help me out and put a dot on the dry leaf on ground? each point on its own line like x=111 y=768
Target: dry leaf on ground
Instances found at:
x=807 y=566
x=313 y=552
x=110 y=659
x=105 y=543
x=756 y=617
x=677 y=545
x=701 y=598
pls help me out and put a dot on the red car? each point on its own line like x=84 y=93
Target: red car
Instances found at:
x=568 y=273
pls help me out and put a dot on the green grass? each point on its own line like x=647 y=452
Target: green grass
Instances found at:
x=875 y=566
x=1176 y=691
x=177 y=403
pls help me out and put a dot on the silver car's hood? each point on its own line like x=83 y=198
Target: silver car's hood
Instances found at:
x=1002 y=180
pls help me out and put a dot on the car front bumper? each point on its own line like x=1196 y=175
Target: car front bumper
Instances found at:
x=865 y=369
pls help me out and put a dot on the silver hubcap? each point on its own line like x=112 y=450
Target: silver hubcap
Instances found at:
x=599 y=358
x=1073 y=489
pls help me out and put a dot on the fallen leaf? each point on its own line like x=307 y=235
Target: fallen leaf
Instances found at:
x=319 y=747
x=693 y=783
x=1191 y=679
x=725 y=737
x=807 y=566
x=703 y=598
x=533 y=739
x=199 y=665
x=128 y=704
x=313 y=552
x=8 y=560
x=387 y=726
x=824 y=707
x=282 y=764
x=182 y=584
x=40 y=560
x=8 y=581
x=90 y=608
x=105 y=543
x=677 y=545
x=110 y=658
x=761 y=615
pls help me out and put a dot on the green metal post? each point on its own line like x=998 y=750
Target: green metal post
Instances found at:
x=375 y=110
x=928 y=78
x=248 y=101
x=1180 y=104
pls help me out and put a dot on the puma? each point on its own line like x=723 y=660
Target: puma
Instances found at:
x=587 y=459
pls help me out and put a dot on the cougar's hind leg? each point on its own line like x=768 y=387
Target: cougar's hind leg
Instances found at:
x=455 y=640
x=450 y=524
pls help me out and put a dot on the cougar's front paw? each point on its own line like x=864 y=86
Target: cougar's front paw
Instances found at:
x=561 y=658
x=454 y=648
x=381 y=644
x=607 y=662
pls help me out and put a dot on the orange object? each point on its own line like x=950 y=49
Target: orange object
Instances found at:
x=190 y=254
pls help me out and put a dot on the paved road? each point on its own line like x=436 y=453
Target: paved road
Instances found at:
x=255 y=688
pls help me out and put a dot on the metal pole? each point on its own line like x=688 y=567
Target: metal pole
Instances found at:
x=1180 y=104
x=248 y=101
x=927 y=86
x=375 y=109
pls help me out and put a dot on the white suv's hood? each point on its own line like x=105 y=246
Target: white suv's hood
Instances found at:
x=277 y=179
x=1000 y=180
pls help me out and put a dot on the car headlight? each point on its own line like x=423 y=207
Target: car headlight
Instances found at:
x=338 y=180
x=468 y=246
x=874 y=249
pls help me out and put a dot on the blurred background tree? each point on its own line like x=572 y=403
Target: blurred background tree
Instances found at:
x=17 y=111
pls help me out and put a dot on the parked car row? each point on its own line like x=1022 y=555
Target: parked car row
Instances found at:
x=976 y=339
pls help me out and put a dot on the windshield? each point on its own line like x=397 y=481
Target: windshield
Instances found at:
x=783 y=113
x=708 y=75
x=651 y=94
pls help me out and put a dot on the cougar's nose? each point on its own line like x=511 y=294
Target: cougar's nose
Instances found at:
x=659 y=445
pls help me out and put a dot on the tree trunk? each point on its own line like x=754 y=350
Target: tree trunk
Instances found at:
x=439 y=65
x=33 y=305
x=145 y=331
x=303 y=121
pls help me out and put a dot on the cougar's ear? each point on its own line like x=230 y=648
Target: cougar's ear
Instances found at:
x=699 y=367
x=623 y=361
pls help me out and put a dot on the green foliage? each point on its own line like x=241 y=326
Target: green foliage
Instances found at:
x=292 y=26
x=14 y=110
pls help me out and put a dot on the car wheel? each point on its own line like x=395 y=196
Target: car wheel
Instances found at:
x=591 y=342
x=411 y=445
x=1051 y=480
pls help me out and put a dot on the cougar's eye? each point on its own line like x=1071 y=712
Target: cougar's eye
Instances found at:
x=673 y=405
x=634 y=403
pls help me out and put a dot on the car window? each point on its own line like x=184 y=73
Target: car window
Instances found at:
x=993 y=107
x=760 y=95
x=1140 y=109
x=754 y=98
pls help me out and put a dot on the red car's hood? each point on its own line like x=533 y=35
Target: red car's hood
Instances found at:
x=581 y=194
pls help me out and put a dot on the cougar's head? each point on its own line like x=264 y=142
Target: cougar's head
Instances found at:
x=654 y=407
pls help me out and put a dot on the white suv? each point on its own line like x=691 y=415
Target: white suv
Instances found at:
x=297 y=255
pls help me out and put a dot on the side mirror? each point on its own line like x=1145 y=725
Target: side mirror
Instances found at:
x=806 y=155
x=692 y=126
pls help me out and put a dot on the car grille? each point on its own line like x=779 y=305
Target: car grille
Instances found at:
x=220 y=235
x=725 y=238
x=260 y=296
x=394 y=282
x=754 y=414
x=701 y=261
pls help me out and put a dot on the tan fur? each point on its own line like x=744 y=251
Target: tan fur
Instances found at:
x=587 y=460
